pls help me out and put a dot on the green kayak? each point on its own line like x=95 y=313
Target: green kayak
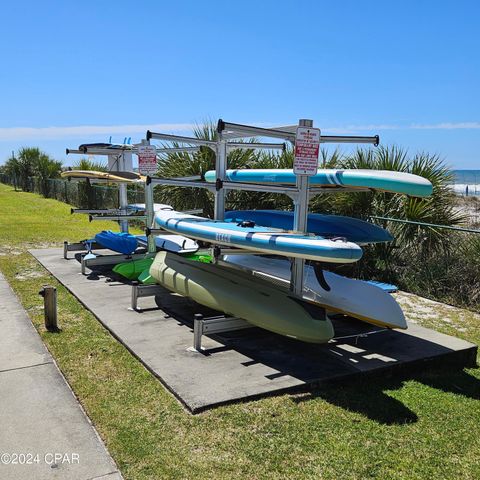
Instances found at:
x=140 y=269
x=146 y=278
x=132 y=270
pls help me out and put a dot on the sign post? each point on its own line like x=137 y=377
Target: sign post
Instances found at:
x=147 y=159
x=305 y=164
x=307 y=148
x=147 y=165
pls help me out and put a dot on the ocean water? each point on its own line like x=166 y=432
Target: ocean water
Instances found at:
x=467 y=182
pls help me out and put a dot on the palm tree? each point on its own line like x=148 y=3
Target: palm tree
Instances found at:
x=90 y=164
x=46 y=168
x=439 y=208
x=412 y=243
x=27 y=159
x=195 y=164
x=12 y=170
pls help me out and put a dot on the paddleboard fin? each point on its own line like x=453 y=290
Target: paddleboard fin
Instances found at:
x=317 y=268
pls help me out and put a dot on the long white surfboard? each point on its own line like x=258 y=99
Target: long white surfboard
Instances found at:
x=355 y=298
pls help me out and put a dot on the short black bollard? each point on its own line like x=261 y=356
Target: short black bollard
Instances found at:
x=49 y=295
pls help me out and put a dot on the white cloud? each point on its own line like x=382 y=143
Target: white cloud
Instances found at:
x=86 y=131
x=349 y=129
x=449 y=126
x=24 y=133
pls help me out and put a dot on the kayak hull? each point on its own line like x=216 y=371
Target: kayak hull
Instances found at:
x=241 y=295
x=133 y=269
x=172 y=243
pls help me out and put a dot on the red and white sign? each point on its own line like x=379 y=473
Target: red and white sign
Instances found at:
x=307 y=148
x=147 y=159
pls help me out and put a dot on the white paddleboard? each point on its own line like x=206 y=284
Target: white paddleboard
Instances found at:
x=172 y=243
x=355 y=298
x=140 y=207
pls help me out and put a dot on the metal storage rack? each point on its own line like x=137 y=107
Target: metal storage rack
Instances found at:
x=300 y=194
x=226 y=132
x=229 y=137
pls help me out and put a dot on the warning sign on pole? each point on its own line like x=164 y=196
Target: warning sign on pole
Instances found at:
x=147 y=159
x=307 y=148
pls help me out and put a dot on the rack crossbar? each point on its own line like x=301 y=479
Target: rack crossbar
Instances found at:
x=117 y=218
x=375 y=140
x=80 y=247
x=427 y=225
x=141 y=291
x=256 y=146
x=235 y=130
x=168 y=150
x=180 y=183
x=180 y=139
x=94 y=211
x=260 y=187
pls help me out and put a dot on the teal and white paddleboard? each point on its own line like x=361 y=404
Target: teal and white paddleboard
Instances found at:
x=259 y=239
x=385 y=180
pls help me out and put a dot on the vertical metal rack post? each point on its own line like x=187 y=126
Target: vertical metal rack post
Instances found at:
x=300 y=217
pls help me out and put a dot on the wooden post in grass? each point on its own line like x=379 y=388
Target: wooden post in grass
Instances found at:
x=49 y=295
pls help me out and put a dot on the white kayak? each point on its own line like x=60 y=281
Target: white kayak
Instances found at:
x=355 y=298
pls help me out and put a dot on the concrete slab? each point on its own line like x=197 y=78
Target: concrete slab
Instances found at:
x=247 y=363
x=44 y=432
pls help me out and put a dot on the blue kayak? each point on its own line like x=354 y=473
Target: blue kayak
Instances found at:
x=329 y=226
x=117 y=241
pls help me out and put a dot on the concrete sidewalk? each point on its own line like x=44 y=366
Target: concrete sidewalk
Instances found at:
x=44 y=433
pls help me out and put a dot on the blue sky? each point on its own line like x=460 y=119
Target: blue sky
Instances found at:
x=75 y=72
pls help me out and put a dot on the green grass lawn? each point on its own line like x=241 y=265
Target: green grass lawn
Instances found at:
x=427 y=427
